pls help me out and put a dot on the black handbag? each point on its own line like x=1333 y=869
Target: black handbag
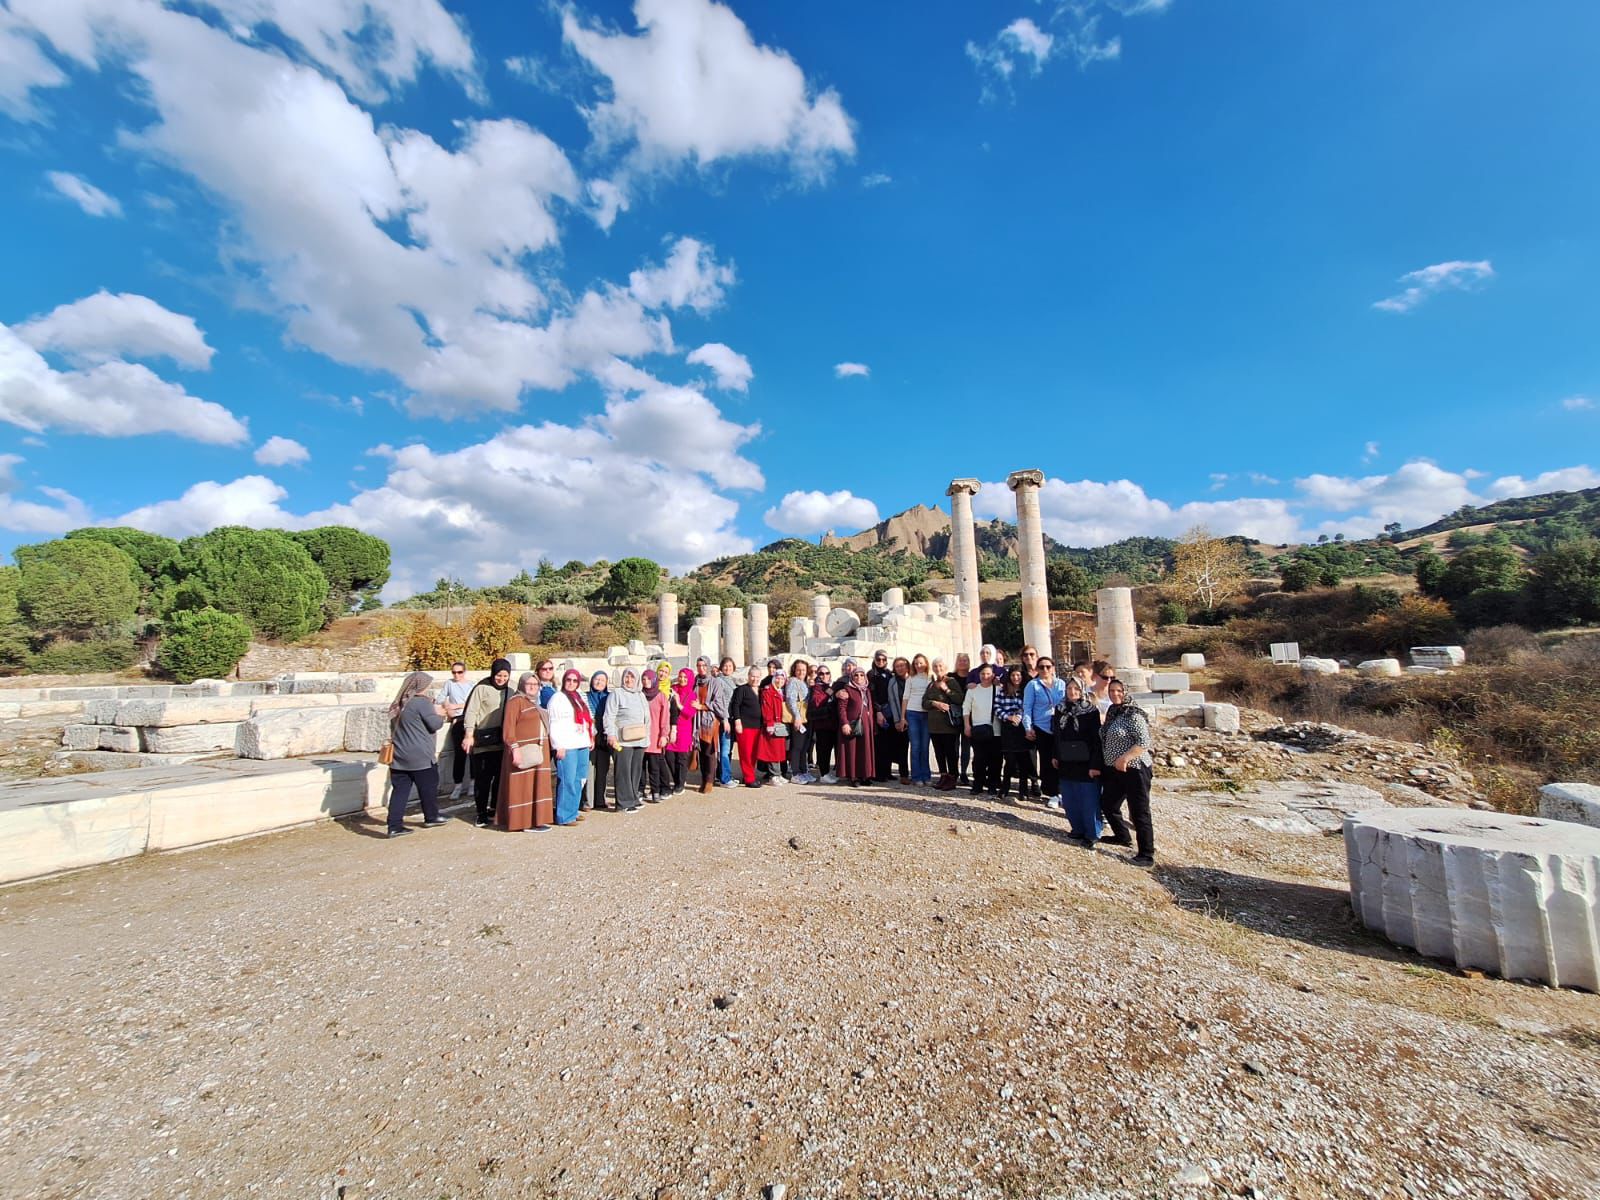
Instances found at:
x=1073 y=751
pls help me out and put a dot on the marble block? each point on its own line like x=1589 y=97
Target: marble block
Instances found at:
x=1438 y=656
x=81 y=737
x=1169 y=681
x=292 y=732
x=1222 y=718
x=1319 y=666
x=1518 y=896
x=1575 y=802
x=182 y=712
x=121 y=739
x=1192 y=662
x=190 y=739
x=366 y=728
x=1381 y=668
x=1285 y=652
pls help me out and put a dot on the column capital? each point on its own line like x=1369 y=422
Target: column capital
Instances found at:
x=1018 y=479
x=963 y=485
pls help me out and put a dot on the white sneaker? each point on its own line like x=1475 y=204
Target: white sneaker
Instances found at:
x=456 y=795
x=1053 y=803
x=808 y=777
x=779 y=780
x=830 y=777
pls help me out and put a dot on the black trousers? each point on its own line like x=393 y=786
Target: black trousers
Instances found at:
x=1049 y=773
x=486 y=781
x=657 y=776
x=1017 y=764
x=966 y=751
x=824 y=742
x=400 y=785
x=944 y=751
x=599 y=771
x=458 y=760
x=799 y=744
x=1132 y=786
x=985 y=764
x=677 y=768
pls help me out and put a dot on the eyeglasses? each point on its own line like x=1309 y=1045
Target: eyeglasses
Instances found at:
x=457 y=671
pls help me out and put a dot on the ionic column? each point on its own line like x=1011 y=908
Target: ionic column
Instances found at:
x=964 y=558
x=667 y=619
x=733 y=645
x=1030 y=535
x=760 y=637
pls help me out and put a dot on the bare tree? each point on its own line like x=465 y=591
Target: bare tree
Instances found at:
x=1206 y=569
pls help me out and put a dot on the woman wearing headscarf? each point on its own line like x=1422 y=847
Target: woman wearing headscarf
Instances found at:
x=572 y=736
x=600 y=757
x=527 y=791
x=1078 y=761
x=684 y=703
x=822 y=721
x=481 y=720
x=745 y=709
x=852 y=701
x=414 y=720
x=627 y=727
x=659 y=706
x=1125 y=743
x=942 y=704
x=772 y=747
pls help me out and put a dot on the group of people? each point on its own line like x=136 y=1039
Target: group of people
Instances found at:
x=542 y=754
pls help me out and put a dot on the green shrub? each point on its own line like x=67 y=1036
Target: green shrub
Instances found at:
x=65 y=657
x=203 y=644
x=1170 y=612
x=262 y=575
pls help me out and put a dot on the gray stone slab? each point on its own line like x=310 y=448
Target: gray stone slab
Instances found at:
x=1575 y=802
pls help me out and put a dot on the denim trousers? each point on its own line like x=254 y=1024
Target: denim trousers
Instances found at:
x=571 y=770
x=918 y=732
x=1080 y=800
x=725 y=754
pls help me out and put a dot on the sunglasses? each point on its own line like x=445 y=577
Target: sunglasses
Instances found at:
x=456 y=671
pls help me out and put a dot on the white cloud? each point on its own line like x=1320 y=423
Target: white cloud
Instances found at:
x=813 y=512
x=1577 y=404
x=282 y=452
x=108 y=399
x=1415 y=494
x=1219 y=480
x=24 y=67
x=845 y=370
x=111 y=325
x=1565 y=479
x=1071 y=31
x=731 y=369
x=1369 y=452
x=876 y=179
x=1428 y=281
x=1261 y=479
x=640 y=478
x=529 y=70
x=84 y=194
x=693 y=87
x=1029 y=40
x=690 y=278
x=1091 y=513
x=26 y=516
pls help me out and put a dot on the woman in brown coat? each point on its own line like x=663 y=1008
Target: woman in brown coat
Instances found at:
x=852 y=700
x=527 y=790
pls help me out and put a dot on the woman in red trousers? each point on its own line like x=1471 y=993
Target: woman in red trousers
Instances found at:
x=745 y=711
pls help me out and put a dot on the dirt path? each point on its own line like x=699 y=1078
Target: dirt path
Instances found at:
x=914 y=998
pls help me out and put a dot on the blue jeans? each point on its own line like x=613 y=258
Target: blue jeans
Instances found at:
x=1080 y=800
x=571 y=770
x=917 y=731
x=724 y=755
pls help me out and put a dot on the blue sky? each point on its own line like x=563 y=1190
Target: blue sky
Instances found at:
x=497 y=281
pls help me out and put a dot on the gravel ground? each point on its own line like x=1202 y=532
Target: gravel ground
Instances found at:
x=843 y=993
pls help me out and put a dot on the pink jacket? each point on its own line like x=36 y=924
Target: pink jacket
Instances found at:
x=660 y=722
x=683 y=738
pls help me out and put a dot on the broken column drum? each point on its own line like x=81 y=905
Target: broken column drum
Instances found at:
x=1116 y=634
x=733 y=644
x=1030 y=538
x=964 y=557
x=760 y=635
x=1519 y=896
x=820 y=607
x=667 y=619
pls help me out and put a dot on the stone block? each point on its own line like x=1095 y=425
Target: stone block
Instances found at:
x=1182 y=698
x=1285 y=652
x=1192 y=662
x=1380 y=668
x=1169 y=681
x=101 y=712
x=361 y=684
x=1575 y=802
x=366 y=728
x=841 y=623
x=119 y=739
x=1414 y=670
x=291 y=733
x=239 y=798
x=190 y=739
x=51 y=708
x=1438 y=656
x=98 y=825
x=1518 y=896
x=81 y=737
x=79 y=693
x=1191 y=716
x=10 y=710
x=1222 y=718
x=1135 y=679
x=1319 y=666
x=183 y=712
x=146 y=691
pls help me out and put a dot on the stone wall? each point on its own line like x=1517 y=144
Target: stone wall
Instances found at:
x=269 y=662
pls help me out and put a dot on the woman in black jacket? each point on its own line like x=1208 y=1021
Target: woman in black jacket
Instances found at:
x=1079 y=760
